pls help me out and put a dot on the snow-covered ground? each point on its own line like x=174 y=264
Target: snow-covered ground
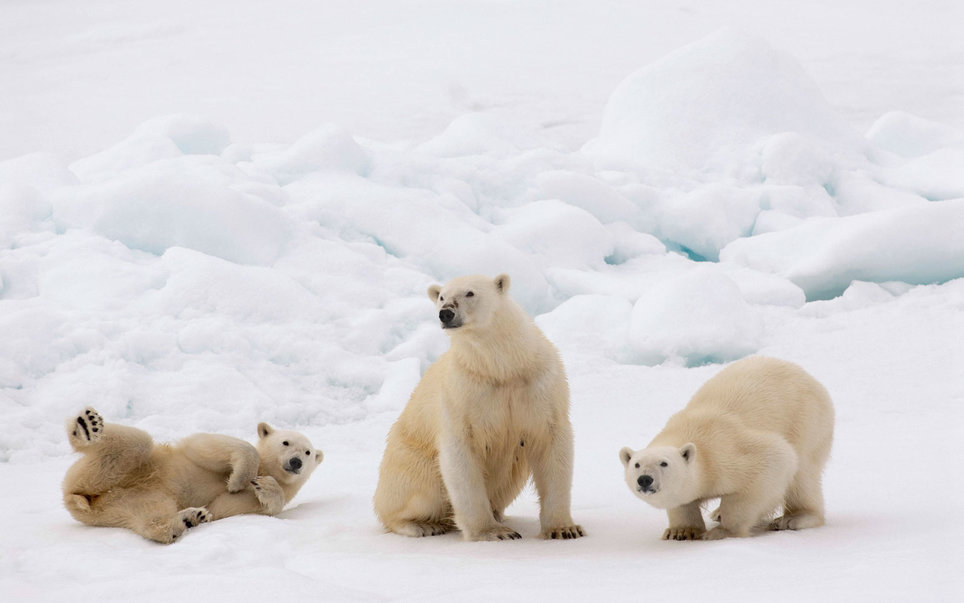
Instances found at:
x=213 y=214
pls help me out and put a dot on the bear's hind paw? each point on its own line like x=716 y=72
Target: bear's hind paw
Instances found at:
x=683 y=533
x=798 y=521
x=194 y=516
x=88 y=427
x=419 y=529
x=497 y=533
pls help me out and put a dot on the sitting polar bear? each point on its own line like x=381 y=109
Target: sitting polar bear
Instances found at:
x=126 y=480
x=490 y=412
x=757 y=436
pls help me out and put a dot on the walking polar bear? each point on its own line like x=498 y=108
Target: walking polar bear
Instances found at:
x=490 y=412
x=126 y=480
x=757 y=436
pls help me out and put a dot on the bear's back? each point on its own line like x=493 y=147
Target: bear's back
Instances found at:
x=769 y=395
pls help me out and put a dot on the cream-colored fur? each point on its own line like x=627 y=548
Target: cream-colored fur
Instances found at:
x=757 y=436
x=126 y=480
x=490 y=412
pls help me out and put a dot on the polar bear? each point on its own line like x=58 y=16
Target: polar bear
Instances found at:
x=489 y=413
x=126 y=480
x=757 y=436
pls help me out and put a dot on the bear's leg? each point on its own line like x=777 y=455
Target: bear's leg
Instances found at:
x=685 y=523
x=803 y=505
x=552 y=474
x=410 y=497
x=505 y=486
x=466 y=488
x=85 y=429
x=155 y=516
x=152 y=514
x=109 y=454
x=773 y=463
x=264 y=496
x=234 y=457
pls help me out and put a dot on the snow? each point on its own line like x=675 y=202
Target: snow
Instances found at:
x=918 y=245
x=701 y=106
x=223 y=213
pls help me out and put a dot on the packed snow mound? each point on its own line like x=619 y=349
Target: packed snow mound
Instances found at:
x=557 y=234
x=935 y=176
x=329 y=148
x=922 y=244
x=710 y=105
x=162 y=137
x=199 y=202
x=471 y=134
x=41 y=171
x=908 y=135
x=590 y=325
x=703 y=221
x=698 y=317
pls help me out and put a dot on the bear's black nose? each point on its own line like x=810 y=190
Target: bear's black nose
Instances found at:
x=295 y=463
x=446 y=315
x=645 y=481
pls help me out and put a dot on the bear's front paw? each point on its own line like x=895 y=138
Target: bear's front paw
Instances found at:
x=269 y=494
x=88 y=427
x=563 y=533
x=185 y=519
x=683 y=533
x=194 y=516
x=496 y=533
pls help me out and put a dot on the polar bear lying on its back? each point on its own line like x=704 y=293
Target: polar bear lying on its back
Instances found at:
x=489 y=413
x=757 y=436
x=126 y=480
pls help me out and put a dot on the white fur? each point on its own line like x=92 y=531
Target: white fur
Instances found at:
x=124 y=479
x=493 y=410
x=757 y=436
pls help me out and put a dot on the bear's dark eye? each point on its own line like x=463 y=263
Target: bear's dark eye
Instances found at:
x=637 y=465
x=307 y=453
x=440 y=298
x=285 y=443
x=664 y=464
x=469 y=294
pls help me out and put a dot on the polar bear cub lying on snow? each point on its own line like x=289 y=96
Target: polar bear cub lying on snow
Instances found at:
x=757 y=436
x=126 y=480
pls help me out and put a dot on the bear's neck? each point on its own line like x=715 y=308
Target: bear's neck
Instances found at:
x=508 y=350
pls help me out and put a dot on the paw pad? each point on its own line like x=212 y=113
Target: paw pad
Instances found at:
x=90 y=425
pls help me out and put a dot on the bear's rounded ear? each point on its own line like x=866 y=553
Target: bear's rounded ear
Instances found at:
x=264 y=430
x=319 y=456
x=688 y=451
x=434 y=291
x=625 y=454
x=502 y=283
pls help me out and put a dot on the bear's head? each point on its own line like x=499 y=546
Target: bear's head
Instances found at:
x=469 y=302
x=663 y=476
x=287 y=456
